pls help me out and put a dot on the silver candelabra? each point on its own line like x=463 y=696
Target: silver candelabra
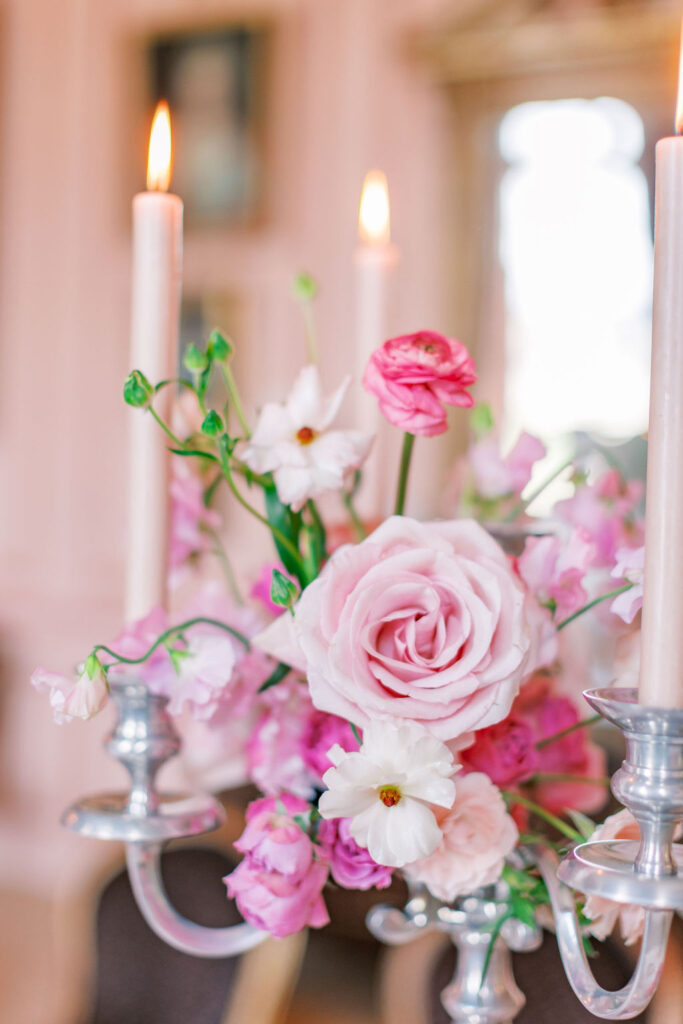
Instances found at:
x=483 y=991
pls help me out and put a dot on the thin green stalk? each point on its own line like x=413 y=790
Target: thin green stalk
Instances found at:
x=180 y=628
x=495 y=932
x=311 y=337
x=358 y=527
x=231 y=385
x=406 y=455
x=524 y=505
x=589 y=780
x=165 y=428
x=584 y=723
x=284 y=541
x=592 y=604
x=541 y=812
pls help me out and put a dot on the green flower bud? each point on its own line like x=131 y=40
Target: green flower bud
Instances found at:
x=282 y=591
x=305 y=287
x=93 y=666
x=219 y=347
x=195 y=360
x=213 y=424
x=137 y=390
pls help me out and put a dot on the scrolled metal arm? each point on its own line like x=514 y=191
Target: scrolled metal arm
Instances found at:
x=143 y=860
x=628 y=1001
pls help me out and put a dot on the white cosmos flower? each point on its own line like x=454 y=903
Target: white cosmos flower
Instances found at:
x=386 y=788
x=294 y=443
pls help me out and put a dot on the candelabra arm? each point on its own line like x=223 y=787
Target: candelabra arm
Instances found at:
x=628 y=1001
x=143 y=861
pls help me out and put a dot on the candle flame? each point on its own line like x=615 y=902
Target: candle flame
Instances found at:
x=679 y=100
x=160 y=159
x=373 y=217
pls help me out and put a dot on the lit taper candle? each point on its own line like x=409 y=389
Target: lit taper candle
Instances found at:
x=157 y=270
x=661 y=671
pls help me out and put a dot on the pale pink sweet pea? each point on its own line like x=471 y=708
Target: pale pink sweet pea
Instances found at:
x=278 y=884
x=190 y=518
x=294 y=442
x=497 y=476
x=135 y=640
x=506 y=752
x=70 y=698
x=420 y=621
x=478 y=834
x=414 y=376
x=606 y=511
x=554 y=568
x=351 y=866
x=630 y=566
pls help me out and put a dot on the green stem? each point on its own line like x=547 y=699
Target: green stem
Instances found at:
x=524 y=505
x=284 y=541
x=167 y=430
x=358 y=527
x=406 y=455
x=180 y=628
x=541 y=812
x=231 y=385
x=495 y=932
x=565 y=732
x=311 y=338
x=592 y=604
x=589 y=780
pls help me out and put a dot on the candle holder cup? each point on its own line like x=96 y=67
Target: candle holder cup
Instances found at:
x=143 y=739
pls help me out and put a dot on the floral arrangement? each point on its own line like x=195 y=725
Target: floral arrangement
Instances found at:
x=399 y=698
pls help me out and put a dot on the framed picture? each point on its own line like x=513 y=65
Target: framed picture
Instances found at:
x=215 y=86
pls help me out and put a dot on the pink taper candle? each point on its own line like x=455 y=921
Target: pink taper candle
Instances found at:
x=661 y=671
x=157 y=267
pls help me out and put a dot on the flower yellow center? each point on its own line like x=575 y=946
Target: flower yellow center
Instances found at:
x=390 y=795
x=305 y=435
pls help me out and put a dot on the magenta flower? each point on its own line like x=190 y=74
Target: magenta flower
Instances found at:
x=554 y=570
x=415 y=375
x=506 y=752
x=351 y=865
x=321 y=733
x=630 y=566
x=278 y=884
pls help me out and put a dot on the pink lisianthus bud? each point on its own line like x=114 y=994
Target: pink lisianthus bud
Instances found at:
x=321 y=733
x=278 y=884
x=506 y=752
x=415 y=375
x=351 y=865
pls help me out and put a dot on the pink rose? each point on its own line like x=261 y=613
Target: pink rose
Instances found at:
x=506 y=752
x=421 y=621
x=321 y=733
x=351 y=865
x=414 y=375
x=278 y=885
x=478 y=834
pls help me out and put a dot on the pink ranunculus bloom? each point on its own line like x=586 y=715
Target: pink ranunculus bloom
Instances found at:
x=575 y=754
x=351 y=866
x=420 y=621
x=606 y=511
x=321 y=733
x=554 y=570
x=478 y=834
x=506 y=752
x=415 y=376
x=261 y=588
x=604 y=914
x=497 y=476
x=278 y=884
x=190 y=518
x=630 y=566
x=276 y=758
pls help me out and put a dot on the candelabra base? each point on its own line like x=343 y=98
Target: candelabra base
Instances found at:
x=110 y=816
x=607 y=869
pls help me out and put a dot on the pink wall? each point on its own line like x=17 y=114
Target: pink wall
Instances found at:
x=345 y=97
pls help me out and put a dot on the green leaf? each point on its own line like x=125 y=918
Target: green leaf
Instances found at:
x=275 y=677
x=219 y=347
x=282 y=591
x=523 y=910
x=213 y=424
x=305 y=287
x=481 y=419
x=585 y=825
x=195 y=452
x=288 y=523
x=137 y=390
x=357 y=735
x=195 y=360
